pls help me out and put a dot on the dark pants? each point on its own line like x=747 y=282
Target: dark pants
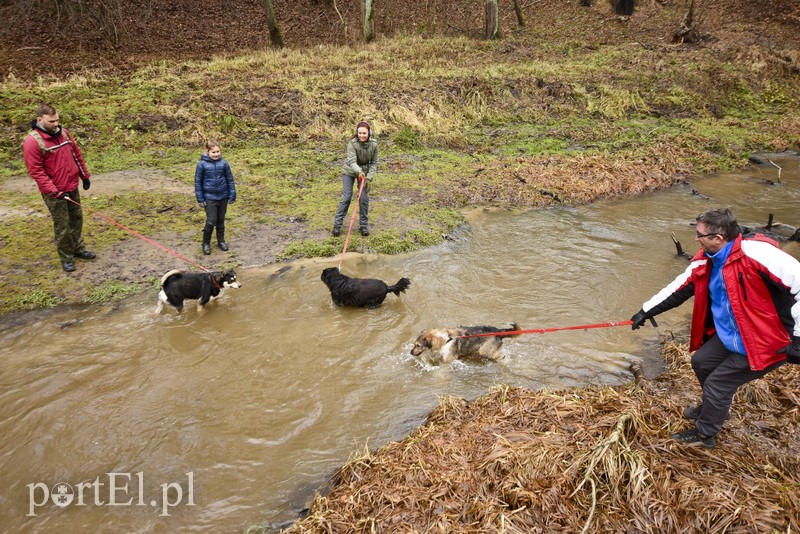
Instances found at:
x=215 y=218
x=344 y=203
x=720 y=373
x=67 y=224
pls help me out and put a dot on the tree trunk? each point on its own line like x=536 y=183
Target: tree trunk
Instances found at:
x=367 y=20
x=492 y=28
x=520 y=16
x=275 y=35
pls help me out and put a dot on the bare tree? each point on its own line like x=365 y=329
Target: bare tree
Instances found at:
x=520 y=16
x=492 y=27
x=63 y=16
x=686 y=32
x=275 y=35
x=367 y=20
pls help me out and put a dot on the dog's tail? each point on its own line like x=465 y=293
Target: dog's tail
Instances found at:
x=400 y=286
x=513 y=328
x=169 y=275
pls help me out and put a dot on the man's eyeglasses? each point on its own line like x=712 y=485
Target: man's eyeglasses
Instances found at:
x=699 y=235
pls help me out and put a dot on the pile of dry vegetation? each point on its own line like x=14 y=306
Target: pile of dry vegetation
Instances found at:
x=594 y=460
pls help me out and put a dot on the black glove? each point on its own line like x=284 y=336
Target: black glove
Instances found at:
x=638 y=319
x=60 y=195
x=793 y=350
x=87 y=183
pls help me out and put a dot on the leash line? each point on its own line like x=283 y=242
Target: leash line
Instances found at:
x=140 y=236
x=555 y=329
x=352 y=219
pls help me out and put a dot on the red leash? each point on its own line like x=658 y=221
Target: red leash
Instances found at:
x=352 y=219
x=556 y=329
x=140 y=236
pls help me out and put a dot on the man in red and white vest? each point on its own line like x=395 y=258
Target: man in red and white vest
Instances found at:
x=746 y=316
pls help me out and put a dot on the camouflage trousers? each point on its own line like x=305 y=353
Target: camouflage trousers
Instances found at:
x=67 y=224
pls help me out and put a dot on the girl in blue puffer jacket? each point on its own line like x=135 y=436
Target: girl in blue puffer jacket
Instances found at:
x=214 y=189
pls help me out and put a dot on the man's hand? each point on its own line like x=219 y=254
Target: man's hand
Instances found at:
x=87 y=183
x=793 y=350
x=202 y=204
x=60 y=195
x=638 y=319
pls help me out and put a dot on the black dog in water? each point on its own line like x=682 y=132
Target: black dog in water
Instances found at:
x=359 y=292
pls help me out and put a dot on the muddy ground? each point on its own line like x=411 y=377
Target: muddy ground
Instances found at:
x=137 y=260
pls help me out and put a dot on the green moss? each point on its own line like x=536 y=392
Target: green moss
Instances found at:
x=111 y=290
x=34 y=299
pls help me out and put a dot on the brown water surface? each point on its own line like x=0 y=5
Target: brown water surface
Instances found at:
x=248 y=408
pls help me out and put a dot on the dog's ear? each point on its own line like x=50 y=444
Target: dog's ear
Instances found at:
x=426 y=341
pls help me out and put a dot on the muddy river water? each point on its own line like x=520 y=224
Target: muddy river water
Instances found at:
x=114 y=419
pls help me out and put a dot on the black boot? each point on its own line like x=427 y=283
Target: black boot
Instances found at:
x=207 y=239
x=221 y=239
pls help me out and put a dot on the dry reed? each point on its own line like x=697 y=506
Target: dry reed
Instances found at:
x=597 y=459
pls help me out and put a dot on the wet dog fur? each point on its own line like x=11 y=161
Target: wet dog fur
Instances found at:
x=359 y=292
x=177 y=286
x=447 y=346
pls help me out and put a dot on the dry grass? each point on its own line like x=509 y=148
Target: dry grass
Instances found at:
x=597 y=459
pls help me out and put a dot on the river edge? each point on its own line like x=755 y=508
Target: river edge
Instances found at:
x=600 y=461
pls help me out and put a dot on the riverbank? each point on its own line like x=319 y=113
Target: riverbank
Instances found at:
x=538 y=118
x=595 y=459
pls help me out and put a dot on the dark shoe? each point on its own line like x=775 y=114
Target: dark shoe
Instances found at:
x=85 y=255
x=364 y=232
x=694 y=438
x=223 y=246
x=336 y=231
x=692 y=413
x=206 y=249
x=68 y=266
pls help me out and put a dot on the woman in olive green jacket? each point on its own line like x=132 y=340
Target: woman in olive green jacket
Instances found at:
x=361 y=164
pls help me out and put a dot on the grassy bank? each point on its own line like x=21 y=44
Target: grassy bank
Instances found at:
x=527 y=120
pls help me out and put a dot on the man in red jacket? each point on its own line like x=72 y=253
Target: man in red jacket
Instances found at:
x=55 y=162
x=746 y=316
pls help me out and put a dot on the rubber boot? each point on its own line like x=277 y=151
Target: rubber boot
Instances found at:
x=207 y=239
x=221 y=239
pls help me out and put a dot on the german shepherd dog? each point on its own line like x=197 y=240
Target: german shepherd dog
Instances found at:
x=359 y=292
x=448 y=344
x=177 y=286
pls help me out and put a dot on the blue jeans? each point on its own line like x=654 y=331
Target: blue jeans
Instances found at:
x=344 y=203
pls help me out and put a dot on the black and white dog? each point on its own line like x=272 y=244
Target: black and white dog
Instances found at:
x=177 y=286
x=359 y=292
